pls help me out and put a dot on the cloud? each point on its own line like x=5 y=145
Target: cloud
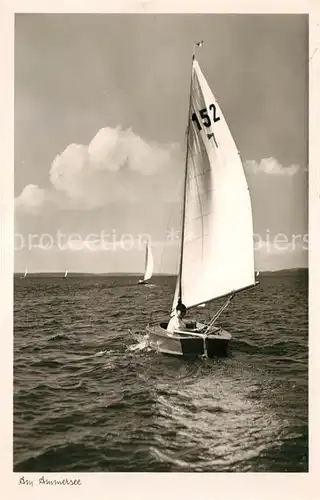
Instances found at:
x=282 y=252
x=119 y=165
x=270 y=166
x=31 y=198
x=113 y=149
x=116 y=165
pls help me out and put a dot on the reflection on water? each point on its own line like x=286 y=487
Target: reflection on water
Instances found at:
x=215 y=425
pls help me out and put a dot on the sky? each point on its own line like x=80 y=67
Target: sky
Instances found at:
x=100 y=119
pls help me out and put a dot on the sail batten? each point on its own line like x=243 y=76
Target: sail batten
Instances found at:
x=217 y=241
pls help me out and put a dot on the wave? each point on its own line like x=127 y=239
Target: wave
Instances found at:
x=90 y=394
x=75 y=457
x=142 y=343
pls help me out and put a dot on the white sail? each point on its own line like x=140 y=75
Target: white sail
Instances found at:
x=217 y=247
x=148 y=263
x=25 y=273
x=65 y=274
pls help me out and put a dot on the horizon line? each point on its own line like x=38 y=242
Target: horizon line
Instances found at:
x=133 y=273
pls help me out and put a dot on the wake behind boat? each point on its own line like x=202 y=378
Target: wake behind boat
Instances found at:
x=216 y=254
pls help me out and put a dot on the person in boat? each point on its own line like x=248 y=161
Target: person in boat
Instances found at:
x=141 y=282
x=177 y=323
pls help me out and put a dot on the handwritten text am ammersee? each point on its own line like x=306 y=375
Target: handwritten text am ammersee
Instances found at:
x=43 y=481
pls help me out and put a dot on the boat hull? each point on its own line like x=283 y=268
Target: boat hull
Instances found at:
x=187 y=344
x=146 y=283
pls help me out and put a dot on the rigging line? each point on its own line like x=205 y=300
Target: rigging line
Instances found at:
x=219 y=312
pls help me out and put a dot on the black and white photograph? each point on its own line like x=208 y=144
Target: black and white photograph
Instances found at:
x=161 y=243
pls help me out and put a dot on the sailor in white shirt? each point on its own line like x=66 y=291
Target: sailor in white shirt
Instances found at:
x=176 y=323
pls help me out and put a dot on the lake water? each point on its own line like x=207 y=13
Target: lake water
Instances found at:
x=90 y=395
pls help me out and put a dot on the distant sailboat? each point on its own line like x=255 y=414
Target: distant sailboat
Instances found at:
x=216 y=254
x=149 y=263
x=25 y=274
x=65 y=274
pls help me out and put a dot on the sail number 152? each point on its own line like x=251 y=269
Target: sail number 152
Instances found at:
x=206 y=120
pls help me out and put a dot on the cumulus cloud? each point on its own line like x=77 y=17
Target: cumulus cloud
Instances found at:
x=109 y=169
x=113 y=149
x=31 y=198
x=118 y=165
x=270 y=166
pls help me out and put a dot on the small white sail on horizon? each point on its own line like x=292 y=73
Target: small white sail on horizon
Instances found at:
x=25 y=273
x=149 y=263
x=217 y=257
x=65 y=274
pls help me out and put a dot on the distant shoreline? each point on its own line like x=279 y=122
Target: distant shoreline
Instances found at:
x=75 y=273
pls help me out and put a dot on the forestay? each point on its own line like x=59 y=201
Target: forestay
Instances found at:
x=217 y=247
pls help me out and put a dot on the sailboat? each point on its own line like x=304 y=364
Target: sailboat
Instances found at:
x=148 y=265
x=65 y=274
x=25 y=274
x=216 y=254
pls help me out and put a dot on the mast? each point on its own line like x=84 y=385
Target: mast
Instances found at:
x=185 y=181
